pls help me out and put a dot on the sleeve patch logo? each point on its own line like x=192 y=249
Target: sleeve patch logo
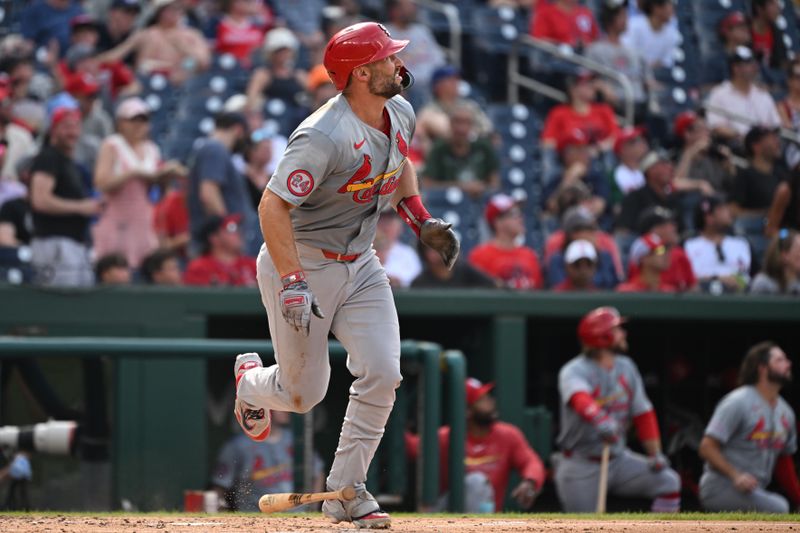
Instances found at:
x=300 y=182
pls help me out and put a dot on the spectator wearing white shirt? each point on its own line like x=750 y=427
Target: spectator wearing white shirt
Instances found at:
x=401 y=261
x=612 y=52
x=630 y=147
x=652 y=35
x=746 y=104
x=721 y=262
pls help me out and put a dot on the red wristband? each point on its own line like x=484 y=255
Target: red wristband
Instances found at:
x=293 y=277
x=647 y=426
x=413 y=212
x=586 y=407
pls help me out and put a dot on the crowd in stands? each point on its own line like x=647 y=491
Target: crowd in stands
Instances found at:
x=136 y=138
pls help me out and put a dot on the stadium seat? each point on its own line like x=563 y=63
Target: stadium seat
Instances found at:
x=464 y=212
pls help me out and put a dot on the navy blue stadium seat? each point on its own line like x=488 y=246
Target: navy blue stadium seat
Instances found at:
x=494 y=30
x=464 y=212
x=15 y=265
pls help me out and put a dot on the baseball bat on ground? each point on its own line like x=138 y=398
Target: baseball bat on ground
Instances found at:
x=274 y=503
x=602 y=486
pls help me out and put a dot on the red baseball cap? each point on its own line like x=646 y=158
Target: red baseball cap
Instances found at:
x=574 y=137
x=683 y=121
x=644 y=246
x=497 y=205
x=627 y=134
x=734 y=18
x=476 y=390
x=82 y=84
x=62 y=113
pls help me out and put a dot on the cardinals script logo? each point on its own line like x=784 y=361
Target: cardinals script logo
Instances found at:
x=365 y=188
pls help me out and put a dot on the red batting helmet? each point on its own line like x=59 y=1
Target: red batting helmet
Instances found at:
x=596 y=329
x=357 y=45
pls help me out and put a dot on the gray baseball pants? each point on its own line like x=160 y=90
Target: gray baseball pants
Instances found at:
x=359 y=310
x=717 y=493
x=629 y=475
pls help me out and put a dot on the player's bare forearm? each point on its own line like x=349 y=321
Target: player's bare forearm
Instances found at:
x=652 y=446
x=276 y=226
x=710 y=451
x=408 y=185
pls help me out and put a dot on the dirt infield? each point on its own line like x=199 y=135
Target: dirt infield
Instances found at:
x=314 y=523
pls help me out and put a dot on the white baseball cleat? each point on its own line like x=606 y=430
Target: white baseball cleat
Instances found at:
x=363 y=511
x=255 y=421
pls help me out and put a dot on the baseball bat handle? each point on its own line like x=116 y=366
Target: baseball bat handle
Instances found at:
x=274 y=503
x=602 y=488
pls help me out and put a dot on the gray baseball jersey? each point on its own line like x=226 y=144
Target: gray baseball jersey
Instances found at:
x=619 y=391
x=752 y=433
x=250 y=469
x=333 y=169
x=339 y=173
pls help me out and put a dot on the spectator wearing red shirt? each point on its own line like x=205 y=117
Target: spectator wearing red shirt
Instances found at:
x=564 y=21
x=83 y=59
x=222 y=263
x=679 y=273
x=596 y=121
x=580 y=263
x=514 y=266
x=650 y=255
x=171 y=219
x=492 y=450
x=237 y=33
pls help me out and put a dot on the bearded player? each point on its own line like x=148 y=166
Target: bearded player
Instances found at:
x=602 y=393
x=751 y=436
x=343 y=165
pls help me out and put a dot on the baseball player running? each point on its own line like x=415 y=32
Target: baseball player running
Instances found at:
x=601 y=393
x=752 y=434
x=342 y=166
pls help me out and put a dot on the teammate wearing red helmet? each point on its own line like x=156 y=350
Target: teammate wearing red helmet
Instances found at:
x=343 y=165
x=601 y=393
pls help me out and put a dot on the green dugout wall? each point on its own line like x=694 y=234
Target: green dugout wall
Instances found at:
x=495 y=329
x=517 y=340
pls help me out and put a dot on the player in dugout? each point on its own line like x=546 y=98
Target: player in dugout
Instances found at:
x=751 y=437
x=492 y=450
x=601 y=393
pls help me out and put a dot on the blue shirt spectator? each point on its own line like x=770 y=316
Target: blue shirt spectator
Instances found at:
x=45 y=20
x=216 y=188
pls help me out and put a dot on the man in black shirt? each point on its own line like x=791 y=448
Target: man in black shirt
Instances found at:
x=61 y=207
x=435 y=275
x=118 y=26
x=754 y=186
x=657 y=190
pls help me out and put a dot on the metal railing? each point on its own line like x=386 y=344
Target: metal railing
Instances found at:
x=516 y=79
x=142 y=368
x=450 y=12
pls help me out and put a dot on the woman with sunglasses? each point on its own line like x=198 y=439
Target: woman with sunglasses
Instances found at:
x=781 y=273
x=127 y=165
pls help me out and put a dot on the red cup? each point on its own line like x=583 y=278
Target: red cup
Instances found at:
x=193 y=501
